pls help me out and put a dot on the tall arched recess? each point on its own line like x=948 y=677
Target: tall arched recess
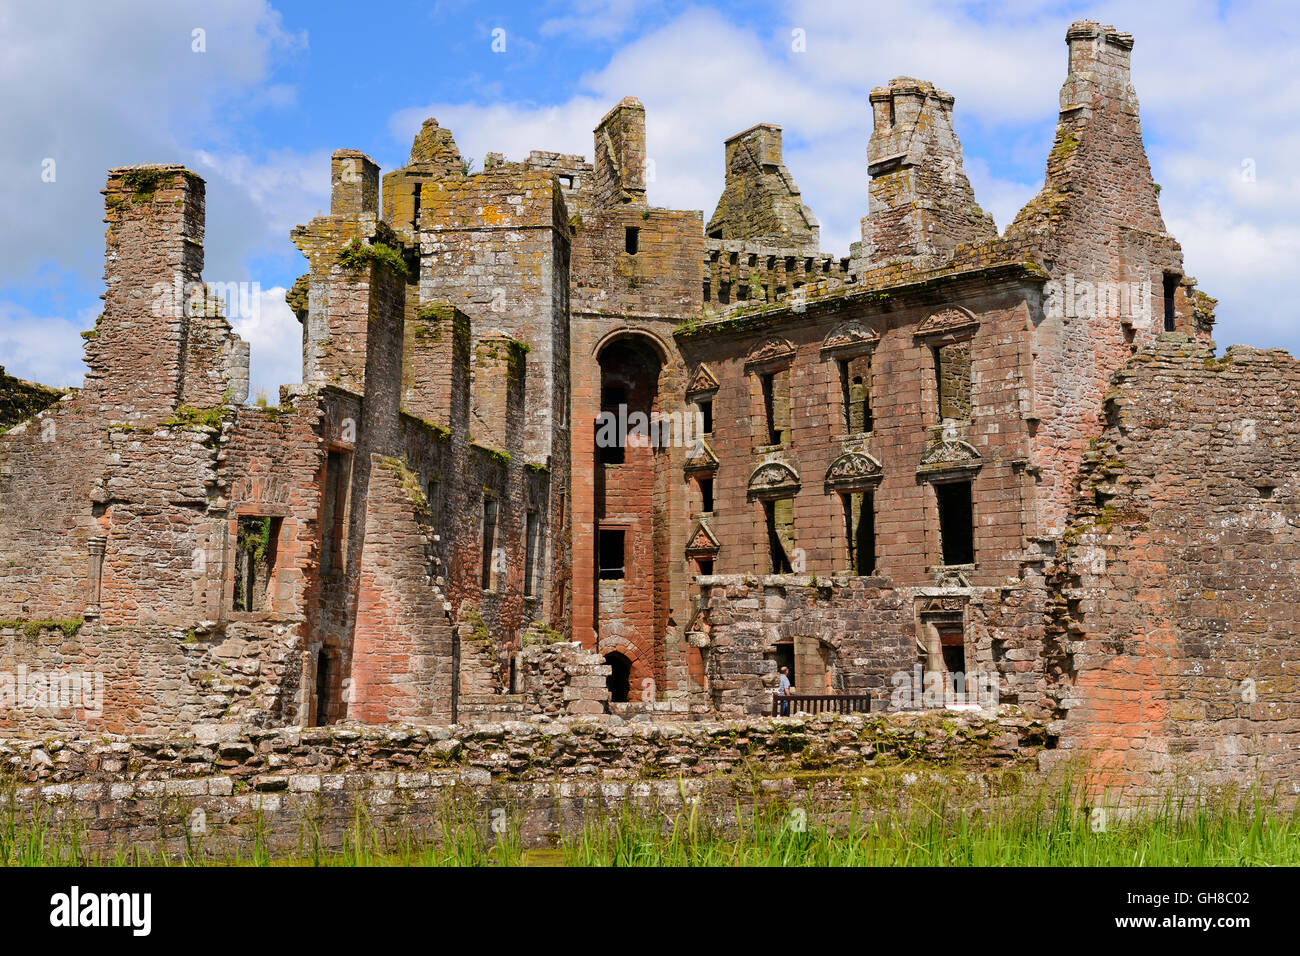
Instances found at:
x=629 y=492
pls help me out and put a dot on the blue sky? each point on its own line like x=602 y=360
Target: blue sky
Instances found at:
x=279 y=85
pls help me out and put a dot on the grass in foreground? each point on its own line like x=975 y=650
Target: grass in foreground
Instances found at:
x=1019 y=832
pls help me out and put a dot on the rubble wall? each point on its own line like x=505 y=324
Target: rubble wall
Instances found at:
x=1179 y=615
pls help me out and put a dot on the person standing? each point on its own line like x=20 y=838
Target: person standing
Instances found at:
x=784 y=687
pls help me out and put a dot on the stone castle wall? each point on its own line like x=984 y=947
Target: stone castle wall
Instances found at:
x=1179 y=585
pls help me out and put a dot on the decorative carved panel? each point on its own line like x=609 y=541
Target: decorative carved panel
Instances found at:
x=772 y=352
x=702 y=381
x=950 y=321
x=849 y=338
x=775 y=479
x=703 y=543
x=949 y=457
x=853 y=471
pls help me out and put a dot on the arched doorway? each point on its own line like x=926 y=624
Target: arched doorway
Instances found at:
x=619 y=680
x=629 y=392
x=629 y=491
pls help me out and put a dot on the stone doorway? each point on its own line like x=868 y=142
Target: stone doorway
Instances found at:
x=619 y=680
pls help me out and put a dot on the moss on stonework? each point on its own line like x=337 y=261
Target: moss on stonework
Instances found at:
x=478 y=627
x=32 y=627
x=410 y=482
x=144 y=183
x=254 y=539
x=1203 y=308
x=430 y=331
x=1067 y=145
x=539 y=632
x=439 y=432
x=188 y=415
x=433 y=313
x=502 y=458
x=296 y=297
x=356 y=255
x=20 y=400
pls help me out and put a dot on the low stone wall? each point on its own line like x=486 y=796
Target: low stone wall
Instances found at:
x=221 y=791
x=563 y=677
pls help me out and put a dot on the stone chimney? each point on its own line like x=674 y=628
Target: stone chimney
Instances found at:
x=921 y=203
x=760 y=199
x=620 y=155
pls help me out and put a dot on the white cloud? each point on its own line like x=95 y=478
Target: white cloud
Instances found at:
x=45 y=349
x=274 y=336
x=78 y=97
x=92 y=86
x=596 y=19
x=703 y=77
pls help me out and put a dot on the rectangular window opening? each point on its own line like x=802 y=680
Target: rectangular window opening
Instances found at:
x=956 y=522
x=1171 y=290
x=776 y=405
x=531 y=530
x=706 y=493
x=489 y=543
x=780 y=532
x=952 y=643
x=610 y=555
x=705 y=405
x=256 y=540
x=860 y=531
x=632 y=240
x=334 y=515
x=855 y=388
x=609 y=439
x=324 y=682
x=704 y=566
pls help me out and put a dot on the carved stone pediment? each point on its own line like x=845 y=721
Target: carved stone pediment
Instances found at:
x=773 y=479
x=952 y=456
x=950 y=578
x=772 y=351
x=945 y=609
x=702 y=542
x=950 y=321
x=850 y=337
x=700 y=457
x=702 y=381
x=853 y=470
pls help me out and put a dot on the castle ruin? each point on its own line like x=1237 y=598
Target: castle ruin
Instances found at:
x=558 y=450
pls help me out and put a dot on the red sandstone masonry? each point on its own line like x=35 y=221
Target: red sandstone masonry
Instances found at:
x=1180 y=616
